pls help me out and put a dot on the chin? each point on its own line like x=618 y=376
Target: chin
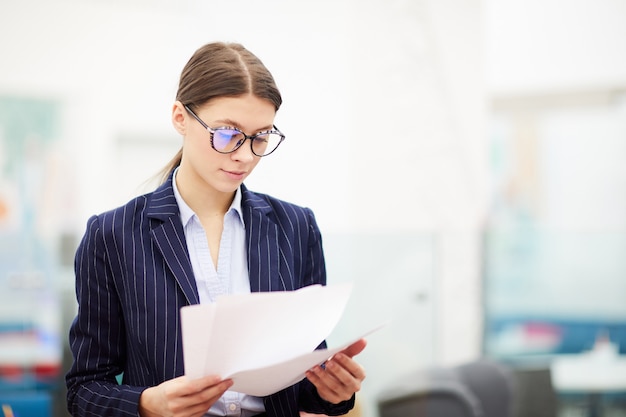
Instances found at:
x=230 y=188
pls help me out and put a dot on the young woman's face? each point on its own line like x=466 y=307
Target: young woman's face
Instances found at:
x=203 y=165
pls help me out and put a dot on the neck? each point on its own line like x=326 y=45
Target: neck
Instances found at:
x=203 y=200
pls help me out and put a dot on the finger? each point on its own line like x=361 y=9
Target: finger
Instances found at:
x=348 y=379
x=334 y=383
x=326 y=387
x=355 y=348
x=205 y=400
x=198 y=403
x=212 y=391
x=342 y=365
x=183 y=385
x=201 y=384
x=201 y=390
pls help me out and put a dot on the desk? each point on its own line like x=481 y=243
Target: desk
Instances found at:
x=600 y=371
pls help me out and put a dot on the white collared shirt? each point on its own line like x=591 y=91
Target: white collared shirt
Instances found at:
x=230 y=277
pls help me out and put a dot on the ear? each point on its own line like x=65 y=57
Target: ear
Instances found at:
x=179 y=117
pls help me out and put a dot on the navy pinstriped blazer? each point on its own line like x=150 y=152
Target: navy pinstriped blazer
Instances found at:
x=133 y=275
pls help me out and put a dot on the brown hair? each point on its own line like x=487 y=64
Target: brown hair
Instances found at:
x=222 y=70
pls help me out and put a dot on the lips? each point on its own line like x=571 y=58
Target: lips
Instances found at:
x=235 y=175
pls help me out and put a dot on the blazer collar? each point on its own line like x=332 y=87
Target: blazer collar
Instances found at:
x=253 y=202
x=261 y=239
x=162 y=202
x=263 y=246
x=168 y=235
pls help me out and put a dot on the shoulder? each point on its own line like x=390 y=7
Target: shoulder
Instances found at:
x=126 y=211
x=284 y=213
x=265 y=202
x=122 y=219
x=160 y=203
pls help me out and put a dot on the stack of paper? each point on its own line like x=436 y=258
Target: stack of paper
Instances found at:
x=265 y=341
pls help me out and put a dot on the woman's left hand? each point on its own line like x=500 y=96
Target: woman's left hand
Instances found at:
x=340 y=376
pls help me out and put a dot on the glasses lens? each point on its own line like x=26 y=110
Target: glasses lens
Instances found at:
x=227 y=140
x=266 y=143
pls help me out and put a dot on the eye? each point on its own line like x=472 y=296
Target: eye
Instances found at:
x=261 y=137
x=225 y=138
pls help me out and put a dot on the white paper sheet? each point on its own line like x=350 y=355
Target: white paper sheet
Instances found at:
x=273 y=378
x=263 y=341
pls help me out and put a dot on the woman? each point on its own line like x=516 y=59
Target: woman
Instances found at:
x=202 y=233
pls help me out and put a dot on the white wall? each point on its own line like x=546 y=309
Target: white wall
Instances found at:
x=551 y=45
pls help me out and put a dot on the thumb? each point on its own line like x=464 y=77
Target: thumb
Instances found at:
x=355 y=348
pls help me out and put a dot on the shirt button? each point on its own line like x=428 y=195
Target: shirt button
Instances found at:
x=232 y=407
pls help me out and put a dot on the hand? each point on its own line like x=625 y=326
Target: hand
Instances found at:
x=340 y=376
x=182 y=397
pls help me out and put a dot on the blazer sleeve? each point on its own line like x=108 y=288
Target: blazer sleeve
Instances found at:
x=315 y=273
x=97 y=335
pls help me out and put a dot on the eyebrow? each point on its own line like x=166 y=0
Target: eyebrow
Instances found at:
x=230 y=122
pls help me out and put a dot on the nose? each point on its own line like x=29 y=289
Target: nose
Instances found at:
x=243 y=153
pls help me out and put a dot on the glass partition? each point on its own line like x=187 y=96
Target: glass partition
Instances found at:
x=393 y=276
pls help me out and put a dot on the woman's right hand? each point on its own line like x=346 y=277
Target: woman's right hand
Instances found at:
x=182 y=397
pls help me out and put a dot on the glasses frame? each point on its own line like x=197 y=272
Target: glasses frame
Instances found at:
x=245 y=137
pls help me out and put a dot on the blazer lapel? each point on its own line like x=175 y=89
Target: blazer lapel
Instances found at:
x=169 y=237
x=262 y=244
x=261 y=239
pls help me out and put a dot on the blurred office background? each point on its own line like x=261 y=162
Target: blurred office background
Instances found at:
x=466 y=161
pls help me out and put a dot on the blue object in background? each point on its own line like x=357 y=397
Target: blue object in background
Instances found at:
x=26 y=404
x=573 y=335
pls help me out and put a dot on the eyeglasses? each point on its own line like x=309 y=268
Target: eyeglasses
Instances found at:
x=229 y=139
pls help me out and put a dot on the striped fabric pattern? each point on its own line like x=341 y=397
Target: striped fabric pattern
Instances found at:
x=133 y=275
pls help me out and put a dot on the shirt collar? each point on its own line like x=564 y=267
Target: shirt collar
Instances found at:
x=186 y=213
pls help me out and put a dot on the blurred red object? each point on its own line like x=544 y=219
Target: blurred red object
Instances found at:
x=46 y=370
